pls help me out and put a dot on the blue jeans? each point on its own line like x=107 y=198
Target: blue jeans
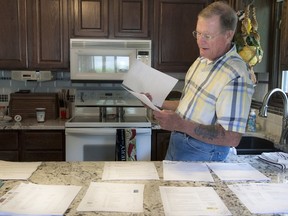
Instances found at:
x=183 y=147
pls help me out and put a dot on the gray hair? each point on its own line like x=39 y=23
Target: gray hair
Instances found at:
x=228 y=16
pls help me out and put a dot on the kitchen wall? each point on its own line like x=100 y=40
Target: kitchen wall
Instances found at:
x=62 y=80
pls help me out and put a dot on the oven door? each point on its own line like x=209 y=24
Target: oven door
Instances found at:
x=98 y=144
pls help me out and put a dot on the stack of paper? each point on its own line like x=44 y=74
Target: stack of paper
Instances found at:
x=192 y=201
x=113 y=197
x=186 y=171
x=17 y=170
x=36 y=199
x=279 y=159
x=130 y=171
x=263 y=198
x=237 y=172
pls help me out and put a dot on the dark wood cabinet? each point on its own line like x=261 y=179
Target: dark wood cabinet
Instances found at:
x=42 y=145
x=174 y=47
x=110 y=18
x=32 y=145
x=160 y=143
x=9 y=145
x=34 y=34
x=13 y=34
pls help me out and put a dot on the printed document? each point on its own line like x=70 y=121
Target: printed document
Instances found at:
x=236 y=172
x=180 y=201
x=17 y=170
x=263 y=198
x=34 y=199
x=142 y=78
x=113 y=197
x=186 y=171
x=129 y=171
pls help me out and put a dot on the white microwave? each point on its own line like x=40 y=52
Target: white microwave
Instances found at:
x=106 y=59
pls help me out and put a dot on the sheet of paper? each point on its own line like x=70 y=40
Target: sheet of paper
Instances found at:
x=186 y=171
x=38 y=199
x=263 y=198
x=129 y=171
x=113 y=197
x=142 y=97
x=237 y=172
x=178 y=201
x=17 y=170
x=145 y=79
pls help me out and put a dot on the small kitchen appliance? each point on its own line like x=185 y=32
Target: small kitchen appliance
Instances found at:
x=106 y=59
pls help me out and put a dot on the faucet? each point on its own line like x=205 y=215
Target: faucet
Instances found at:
x=264 y=108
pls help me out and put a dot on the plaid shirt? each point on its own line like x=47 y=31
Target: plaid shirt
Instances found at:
x=218 y=92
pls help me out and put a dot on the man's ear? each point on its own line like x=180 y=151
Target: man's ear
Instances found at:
x=230 y=35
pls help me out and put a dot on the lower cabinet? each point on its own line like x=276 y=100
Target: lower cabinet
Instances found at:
x=32 y=145
x=42 y=145
x=9 y=145
x=160 y=143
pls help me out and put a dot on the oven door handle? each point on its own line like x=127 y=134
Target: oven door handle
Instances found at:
x=101 y=131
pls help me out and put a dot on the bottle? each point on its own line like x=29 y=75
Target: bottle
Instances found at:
x=251 y=125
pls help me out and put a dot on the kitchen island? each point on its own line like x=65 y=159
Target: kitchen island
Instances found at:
x=82 y=173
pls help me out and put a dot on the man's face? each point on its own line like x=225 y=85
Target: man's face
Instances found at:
x=212 y=41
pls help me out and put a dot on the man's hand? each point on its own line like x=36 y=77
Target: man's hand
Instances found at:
x=167 y=119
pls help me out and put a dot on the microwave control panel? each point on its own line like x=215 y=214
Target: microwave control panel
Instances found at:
x=144 y=56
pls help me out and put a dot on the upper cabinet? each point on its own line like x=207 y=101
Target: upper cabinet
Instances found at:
x=34 y=34
x=110 y=18
x=173 y=44
x=284 y=36
x=13 y=34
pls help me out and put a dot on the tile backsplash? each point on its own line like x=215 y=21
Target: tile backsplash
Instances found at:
x=61 y=80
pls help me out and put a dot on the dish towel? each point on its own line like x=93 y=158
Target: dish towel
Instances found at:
x=126 y=145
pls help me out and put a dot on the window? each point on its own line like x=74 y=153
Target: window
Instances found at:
x=284 y=85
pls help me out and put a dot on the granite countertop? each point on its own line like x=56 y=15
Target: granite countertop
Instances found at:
x=31 y=123
x=82 y=173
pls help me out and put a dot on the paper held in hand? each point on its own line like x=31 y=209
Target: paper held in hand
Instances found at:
x=142 y=78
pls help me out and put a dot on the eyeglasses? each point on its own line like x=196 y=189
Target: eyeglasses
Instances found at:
x=204 y=36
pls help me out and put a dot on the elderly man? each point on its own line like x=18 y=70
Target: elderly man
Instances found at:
x=212 y=113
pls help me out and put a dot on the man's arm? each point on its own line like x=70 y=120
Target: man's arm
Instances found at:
x=213 y=134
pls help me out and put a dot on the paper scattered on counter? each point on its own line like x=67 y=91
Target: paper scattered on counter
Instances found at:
x=142 y=78
x=236 y=172
x=186 y=171
x=17 y=170
x=192 y=201
x=129 y=171
x=113 y=197
x=263 y=198
x=36 y=199
x=278 y=159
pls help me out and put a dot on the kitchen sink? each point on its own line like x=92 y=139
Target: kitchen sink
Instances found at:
x=255 y=145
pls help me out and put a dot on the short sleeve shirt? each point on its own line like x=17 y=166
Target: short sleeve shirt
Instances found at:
x=218 y=92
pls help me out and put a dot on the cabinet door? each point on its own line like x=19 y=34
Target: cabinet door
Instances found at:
x=284 y=36
x=13 y=37
x=90 y=18
x=9 y=146
x=42 y=145
x=160 y=143
x=130 y=18
x=174 y=47
x=48 y=34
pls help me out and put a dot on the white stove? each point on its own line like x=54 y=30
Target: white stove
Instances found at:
x=91 y=133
